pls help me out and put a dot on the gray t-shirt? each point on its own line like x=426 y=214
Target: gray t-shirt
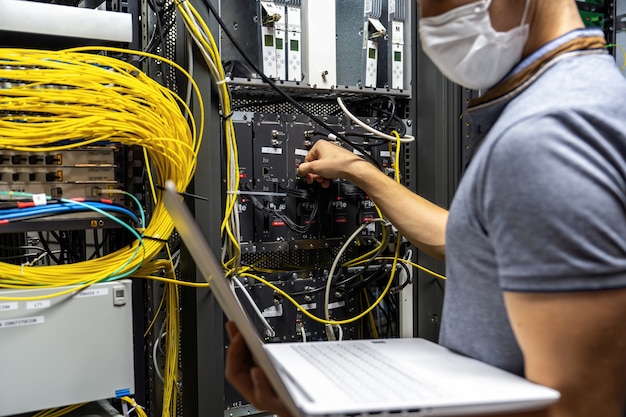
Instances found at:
x=541 y=206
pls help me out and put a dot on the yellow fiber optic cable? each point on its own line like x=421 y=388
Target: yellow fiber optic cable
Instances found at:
x=62 y=100
x=205 y=41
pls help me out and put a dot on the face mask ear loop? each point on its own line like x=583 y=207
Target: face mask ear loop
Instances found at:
x=525 y=12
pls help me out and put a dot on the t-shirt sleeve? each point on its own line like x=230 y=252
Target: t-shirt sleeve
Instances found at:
x=554 y=199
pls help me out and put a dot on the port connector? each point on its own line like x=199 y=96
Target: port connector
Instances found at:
x=56 y=192
x=18 y=159
x=54 y=159
x=35 y=159
x=54 y=176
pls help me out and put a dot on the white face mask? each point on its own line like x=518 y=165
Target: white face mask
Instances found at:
x=467 y=49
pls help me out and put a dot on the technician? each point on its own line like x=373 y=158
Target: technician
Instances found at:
x=535 y=239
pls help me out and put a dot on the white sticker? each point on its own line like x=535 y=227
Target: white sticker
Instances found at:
x=384 y=154
x=272 y=311
x=40 y=199
x=301 y=152
x=310 y=306
x=336 y=304
x=8 y=306
x=24 y=321
x=271 y=150
x=34 y=305
x=93 y=292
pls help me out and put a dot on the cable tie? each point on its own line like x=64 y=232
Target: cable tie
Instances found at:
x=40 y=199
x=268 y=193
x=185 y=194
x=155 y=238
x=225 y=118
x=224 y=81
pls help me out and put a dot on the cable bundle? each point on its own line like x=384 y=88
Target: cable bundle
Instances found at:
x=51 y=101
x=205 y=42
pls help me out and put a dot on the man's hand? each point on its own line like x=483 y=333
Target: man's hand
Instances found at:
x=326 y=161
x=247 y=378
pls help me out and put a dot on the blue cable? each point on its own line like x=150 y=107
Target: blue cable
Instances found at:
x=62 y=208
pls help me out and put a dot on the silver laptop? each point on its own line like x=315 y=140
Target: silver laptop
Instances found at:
x=404 y=377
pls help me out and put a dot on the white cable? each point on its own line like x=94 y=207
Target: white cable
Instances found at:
x=234 y=219
x=339 y=332
x=154 y=356
x=176 y=259
x=39 y=257
x=403 y=139
x=209 y=61
x=336 y=261
x=158 y=339
x=303 y=333
x=190 y=71
x=268 y=328
x=125 y=409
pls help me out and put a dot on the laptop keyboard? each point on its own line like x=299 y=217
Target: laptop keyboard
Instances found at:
x=363 y=374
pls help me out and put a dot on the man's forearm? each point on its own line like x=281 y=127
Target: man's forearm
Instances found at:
x=420 y=221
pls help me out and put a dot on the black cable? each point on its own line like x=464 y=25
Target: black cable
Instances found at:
x=371 y=278
x=283 y=93
x=384 y=124
x=289 y=222
x=409 y=278
x=382 y=310
x=389 y=113
x=165 y=21
x=44 y=243
x=65 y=248
x=96 y=244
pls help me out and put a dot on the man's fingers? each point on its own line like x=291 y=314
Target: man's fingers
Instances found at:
x=231 y=329
x=264 y=395
x=238 y=364
x=246 y=377
x=304 y=168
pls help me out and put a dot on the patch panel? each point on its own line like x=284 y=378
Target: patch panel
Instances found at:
x=278 y=209
x=85 y=172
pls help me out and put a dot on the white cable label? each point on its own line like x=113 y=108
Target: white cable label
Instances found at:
x=94 y=292
x=8 y=306
x=34 y=305
x=270 y=150
x=25 y=321
x=40 y=199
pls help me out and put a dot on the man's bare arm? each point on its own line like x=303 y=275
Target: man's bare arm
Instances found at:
x=419 y=220
x=576 y=343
